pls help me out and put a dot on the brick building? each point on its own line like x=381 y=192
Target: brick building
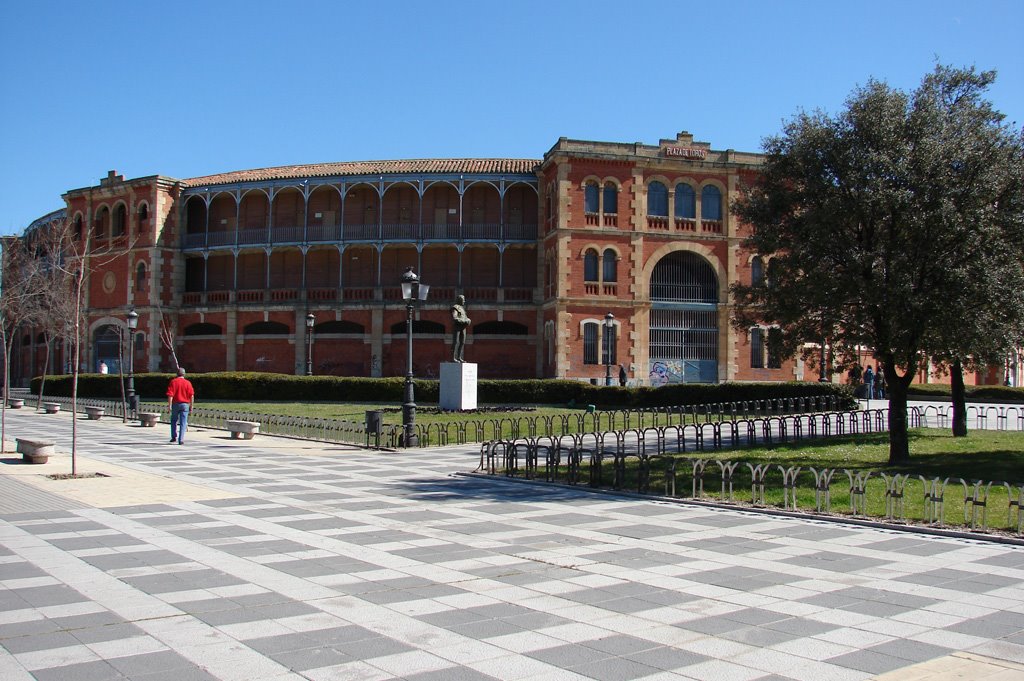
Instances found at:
x=601 y=255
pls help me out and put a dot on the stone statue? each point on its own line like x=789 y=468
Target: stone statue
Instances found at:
x=460 y=324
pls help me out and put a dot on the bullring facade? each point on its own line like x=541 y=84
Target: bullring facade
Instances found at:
x=230 y=265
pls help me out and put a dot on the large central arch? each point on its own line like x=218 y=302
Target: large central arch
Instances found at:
x=683 y=338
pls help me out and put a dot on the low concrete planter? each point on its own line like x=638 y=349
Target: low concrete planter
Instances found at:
x=94 y=413
x=148 y=419
x=34 y=451
x=246 y=429
x=52 y=407
x=15 y=404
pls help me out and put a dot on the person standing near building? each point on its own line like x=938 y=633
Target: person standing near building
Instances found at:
x=869 y=382
x=103 y=367
x=180 y=398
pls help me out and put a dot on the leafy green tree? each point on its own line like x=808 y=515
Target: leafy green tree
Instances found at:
x=899 y=222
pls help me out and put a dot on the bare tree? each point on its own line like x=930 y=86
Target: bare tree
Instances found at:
x=19 y=305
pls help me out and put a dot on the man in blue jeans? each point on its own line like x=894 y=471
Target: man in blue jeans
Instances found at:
x=180 y=398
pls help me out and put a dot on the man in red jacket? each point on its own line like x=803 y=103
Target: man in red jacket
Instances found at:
x=180 y=398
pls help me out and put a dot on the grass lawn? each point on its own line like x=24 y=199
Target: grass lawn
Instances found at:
x=989 y=456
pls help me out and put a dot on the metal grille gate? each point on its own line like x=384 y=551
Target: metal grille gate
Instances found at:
x=683 y=340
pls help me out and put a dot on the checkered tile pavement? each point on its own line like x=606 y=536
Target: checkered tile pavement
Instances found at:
x=370 y=565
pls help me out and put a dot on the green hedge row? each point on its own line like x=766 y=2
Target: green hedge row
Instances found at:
x=238 y=386
x=980 y=393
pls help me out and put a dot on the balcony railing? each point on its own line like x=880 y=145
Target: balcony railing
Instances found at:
x=657 y=222
x=686 y=224
x=448 y=232
x=711 y=226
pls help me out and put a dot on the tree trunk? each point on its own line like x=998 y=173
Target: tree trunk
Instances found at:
x=899 y=441
x=956 y=375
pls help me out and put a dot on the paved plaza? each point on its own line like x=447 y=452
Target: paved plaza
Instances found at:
x=278 y=559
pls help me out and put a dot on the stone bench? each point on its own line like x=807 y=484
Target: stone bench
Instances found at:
x=52 y=407
x=34 y=451
x=148 y=419
x=246 y=429
x=94 y=413
x=15 y=403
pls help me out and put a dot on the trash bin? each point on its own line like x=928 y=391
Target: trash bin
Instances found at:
x=374 y=422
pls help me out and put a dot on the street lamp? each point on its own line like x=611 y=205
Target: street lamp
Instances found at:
x=822 y=369
x=609 y=339
x=133 y=323
x=412 y=291
x=310 y=320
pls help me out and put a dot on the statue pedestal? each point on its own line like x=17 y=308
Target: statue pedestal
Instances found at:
x=458 y=386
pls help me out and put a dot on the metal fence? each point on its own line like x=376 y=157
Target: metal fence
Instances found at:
x=647 y=461
x=483 y=428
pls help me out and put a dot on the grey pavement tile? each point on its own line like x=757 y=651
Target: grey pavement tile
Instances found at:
x=536 y=620
x=268 y=645
x=369 y=648
x=484 y=629
x=177 y=519
x=876 y=608
x=762 y=637
x=568 y=655
x=39 y=641
x=19 y=570
x=620 y=644
x=218 y=618
x=92 y=619
x=263 y=548
x=9 y=600
x=914 y=651
x=191 y=673
x=801 y=626
x=309 y=658
x=867 y=661
x=1012 y=559
x=755 y=616
x=96 y=670
x=615 y=669
x=27 y=628
x=641 y=531
x=450 y=674
x=107 y=632
x=667 y=658
x=54 y=594
x=711 y=625
x=313 y=524
x=996 y=625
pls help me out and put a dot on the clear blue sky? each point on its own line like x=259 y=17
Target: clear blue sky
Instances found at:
x=191 y=88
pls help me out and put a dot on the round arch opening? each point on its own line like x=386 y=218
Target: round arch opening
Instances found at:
x=683 y=334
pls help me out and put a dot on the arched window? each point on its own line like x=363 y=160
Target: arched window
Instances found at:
x=143 y=213
x=590 y=265
x=611 y=198
x=684 y=277
x=140 y=276
x=757 y=271
x=339 y=326
x=120 y=220
x=657 y=200
x=610 y=269
x=772 y=274
x=265 y=328
x=757 y=348
x=202 y=329
x=710 y=203
x=78 y=227
x=686 y=201
x=500 y=328
x=590 y=330
x=102 y=218
x=590 y=197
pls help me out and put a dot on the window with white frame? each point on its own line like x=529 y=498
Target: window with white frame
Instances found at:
x=590 y=336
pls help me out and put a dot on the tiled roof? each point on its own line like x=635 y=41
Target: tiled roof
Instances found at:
x=428 y=165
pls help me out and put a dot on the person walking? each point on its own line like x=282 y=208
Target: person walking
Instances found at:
x=181 y=396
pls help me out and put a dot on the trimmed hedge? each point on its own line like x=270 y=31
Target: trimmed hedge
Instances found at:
x=240 y=386
x=979 y=393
